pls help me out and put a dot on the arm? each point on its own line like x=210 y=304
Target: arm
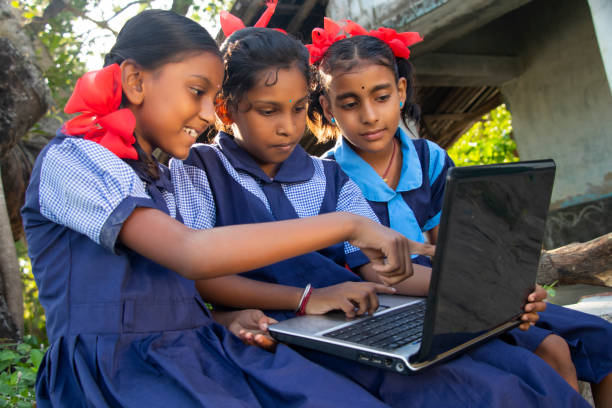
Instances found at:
x=201 y=254
x=353 y=298
x=416 y=285
x=432 y=235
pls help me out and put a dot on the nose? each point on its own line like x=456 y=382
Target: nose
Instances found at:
x=207 y=111
x=368 y=113
x=286 y=125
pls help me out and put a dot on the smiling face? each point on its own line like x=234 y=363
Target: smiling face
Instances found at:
x=365 y=103
x=270 y=120
x=175 y=103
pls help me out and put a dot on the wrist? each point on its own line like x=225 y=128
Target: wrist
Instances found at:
x=301 y=309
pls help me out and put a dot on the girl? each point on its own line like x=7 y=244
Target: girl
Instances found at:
x=260 y=173
x=363 y=88
x=114 y=266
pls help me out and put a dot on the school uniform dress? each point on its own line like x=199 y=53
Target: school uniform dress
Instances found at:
x=494 y=375
x=418 y=199
x=125 y=331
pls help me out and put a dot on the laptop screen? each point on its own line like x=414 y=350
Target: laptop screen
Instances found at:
x=488 y=250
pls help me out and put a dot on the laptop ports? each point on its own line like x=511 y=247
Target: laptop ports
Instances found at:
x=363 y=357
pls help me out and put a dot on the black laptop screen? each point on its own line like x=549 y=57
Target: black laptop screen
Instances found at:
x=488 y=250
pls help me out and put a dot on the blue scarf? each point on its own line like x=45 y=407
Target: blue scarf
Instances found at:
x=401 y=217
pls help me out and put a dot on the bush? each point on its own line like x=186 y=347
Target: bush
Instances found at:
x=488 y=141
x=18 y=366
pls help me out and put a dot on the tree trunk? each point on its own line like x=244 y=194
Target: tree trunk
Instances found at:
x=587 y=263
x=11 y=298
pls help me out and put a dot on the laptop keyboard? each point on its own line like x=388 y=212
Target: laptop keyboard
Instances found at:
x=387 y=331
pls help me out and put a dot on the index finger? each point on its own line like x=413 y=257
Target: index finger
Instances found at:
x=422 y=248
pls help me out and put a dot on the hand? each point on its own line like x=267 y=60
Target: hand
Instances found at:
x=353 y=298
x=250 y=325
x=535 y=304
x=388 y=250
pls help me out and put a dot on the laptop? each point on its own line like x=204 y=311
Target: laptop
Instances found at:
x=485 y=265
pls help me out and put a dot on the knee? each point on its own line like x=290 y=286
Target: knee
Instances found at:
x=555 y=350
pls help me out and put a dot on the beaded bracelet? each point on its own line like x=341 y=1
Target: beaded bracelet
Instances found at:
x=301 y=309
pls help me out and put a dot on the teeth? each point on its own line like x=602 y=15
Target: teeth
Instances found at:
x=191 y=132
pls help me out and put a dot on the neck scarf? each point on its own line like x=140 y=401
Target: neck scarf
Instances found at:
x=401 y=217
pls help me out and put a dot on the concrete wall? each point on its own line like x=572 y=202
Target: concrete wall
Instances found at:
x=562 y=105
x=601 y=10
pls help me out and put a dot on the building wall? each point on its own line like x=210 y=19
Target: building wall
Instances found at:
x=561 y=105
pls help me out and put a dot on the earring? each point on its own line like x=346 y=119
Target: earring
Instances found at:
x=333 y=120
x=401 y=104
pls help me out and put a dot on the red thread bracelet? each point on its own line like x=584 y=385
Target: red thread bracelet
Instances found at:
x=302 y=309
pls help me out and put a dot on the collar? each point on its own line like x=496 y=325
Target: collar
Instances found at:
x=297 y=168
x=370 y=183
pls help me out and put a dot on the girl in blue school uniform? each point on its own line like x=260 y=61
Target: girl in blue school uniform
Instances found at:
x=258 y=172
x=115 y=266
x=364 y=86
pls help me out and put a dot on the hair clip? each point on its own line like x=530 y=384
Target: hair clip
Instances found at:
x=230 y=23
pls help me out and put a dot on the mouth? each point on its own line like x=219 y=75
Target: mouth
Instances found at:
x=373 y=134
x=285 y=147
x=191 y=132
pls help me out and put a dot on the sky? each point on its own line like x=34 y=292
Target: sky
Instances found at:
x=99 y=41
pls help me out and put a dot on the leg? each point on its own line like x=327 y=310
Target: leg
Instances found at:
x=602 y=392
x=555 y=351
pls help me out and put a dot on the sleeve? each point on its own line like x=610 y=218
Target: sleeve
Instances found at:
x=439 y=163
x=88 y=189
x=351 y=199
x=194 y=197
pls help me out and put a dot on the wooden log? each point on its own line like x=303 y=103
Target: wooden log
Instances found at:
x=586 y=263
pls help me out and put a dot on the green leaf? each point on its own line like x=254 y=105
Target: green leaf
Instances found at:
x=36 y=357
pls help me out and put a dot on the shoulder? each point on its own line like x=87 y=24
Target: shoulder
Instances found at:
x=198 y=154
x=69 y=157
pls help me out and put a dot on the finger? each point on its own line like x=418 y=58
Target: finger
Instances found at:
x=265 y=322
x=348 y=308
x=530 y=317
x=265 y=342
x=362 y=302
x=422 y=248
x=392 y=280
x=535 y=307
x=374 y=299
x=378 y=288
x=538 y=294
x=524 y=326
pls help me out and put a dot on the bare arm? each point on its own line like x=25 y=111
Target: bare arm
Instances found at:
x=244 y=293
x=202 y=254
x=432 y=235
x=353 y=298
x=416 y=285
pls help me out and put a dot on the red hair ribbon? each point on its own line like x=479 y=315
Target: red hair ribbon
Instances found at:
x=323 y=38
x=230 y=23
x=398 y=42
x=97 y=96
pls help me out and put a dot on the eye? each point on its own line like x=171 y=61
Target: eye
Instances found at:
x=300 y=108
x=383 y=98
x=197 y=92
x=349 y=105
x=266 y=112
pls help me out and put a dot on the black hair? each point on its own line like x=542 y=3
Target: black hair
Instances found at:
x=344 y=55
x=248 y=52
x=151 y=39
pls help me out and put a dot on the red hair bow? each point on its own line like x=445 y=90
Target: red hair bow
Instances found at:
x=398 y=42
x=323 y=38
x=230 y=23
x=97 y=96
